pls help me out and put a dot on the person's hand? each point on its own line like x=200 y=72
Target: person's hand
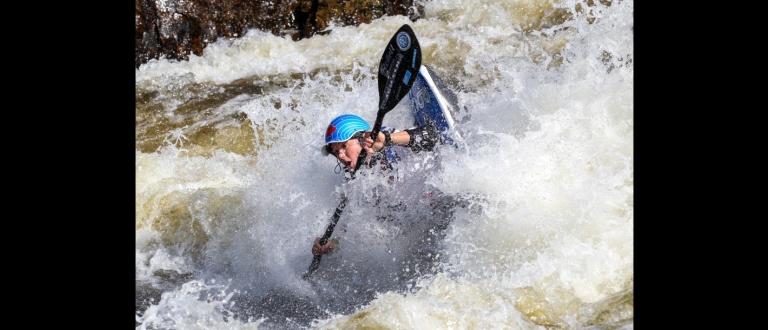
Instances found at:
x=317 y=249
x=371 y=146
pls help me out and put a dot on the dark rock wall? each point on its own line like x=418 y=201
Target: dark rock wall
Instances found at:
x=176 y=28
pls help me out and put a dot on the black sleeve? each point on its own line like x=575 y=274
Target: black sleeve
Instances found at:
x=423 y=138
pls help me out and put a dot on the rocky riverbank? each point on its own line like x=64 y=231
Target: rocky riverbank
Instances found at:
x=174 y=29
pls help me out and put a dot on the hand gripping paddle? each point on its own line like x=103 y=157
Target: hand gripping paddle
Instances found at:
x=397 y=72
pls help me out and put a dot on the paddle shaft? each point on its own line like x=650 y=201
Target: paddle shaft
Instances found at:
x=374 y=135
x=328 y=232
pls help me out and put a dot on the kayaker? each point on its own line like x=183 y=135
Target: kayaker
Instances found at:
x=349 y=135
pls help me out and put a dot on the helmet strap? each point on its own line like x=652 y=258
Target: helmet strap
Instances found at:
x=337 y=169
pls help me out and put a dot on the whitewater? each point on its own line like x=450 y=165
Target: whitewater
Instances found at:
x=537 y=231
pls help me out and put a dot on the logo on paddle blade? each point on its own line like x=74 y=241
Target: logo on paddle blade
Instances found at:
x=403 y=41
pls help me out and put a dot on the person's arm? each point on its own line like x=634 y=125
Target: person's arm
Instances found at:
x=418 y=139
x=395 y=139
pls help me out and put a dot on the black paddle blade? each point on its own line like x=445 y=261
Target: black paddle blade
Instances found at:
x=398 y=68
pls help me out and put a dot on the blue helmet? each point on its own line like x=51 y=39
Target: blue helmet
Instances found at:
x=343 y=127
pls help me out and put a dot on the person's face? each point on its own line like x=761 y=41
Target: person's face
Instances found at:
x=347 y=152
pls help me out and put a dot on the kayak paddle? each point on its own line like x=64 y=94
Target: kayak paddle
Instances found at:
x=398 y=68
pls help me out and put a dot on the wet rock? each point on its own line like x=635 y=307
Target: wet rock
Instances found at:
x=174 y=29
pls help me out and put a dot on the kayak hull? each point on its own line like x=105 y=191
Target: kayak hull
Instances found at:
x=432 y=102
